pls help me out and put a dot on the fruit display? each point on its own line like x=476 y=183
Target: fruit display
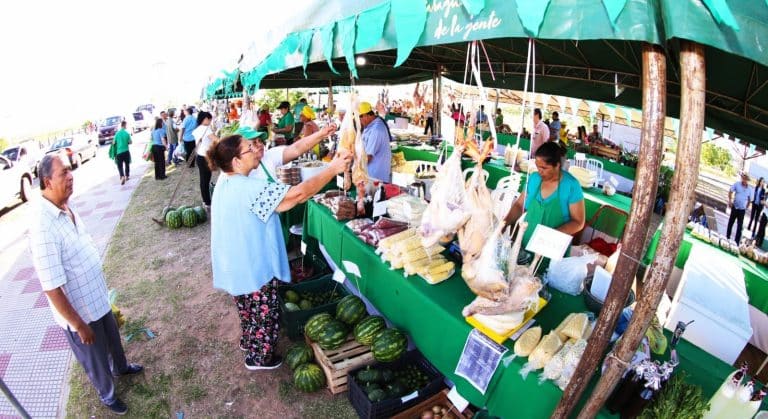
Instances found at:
x=189 y=218
x=202 y=214
x=389 y=345
x=350 y=310
x=308 y=378
x=297 y=355
x=184 y=216
x=382 y=383
x=315 y=325
x=333 y=334
x=365 y=331
x=308 y=300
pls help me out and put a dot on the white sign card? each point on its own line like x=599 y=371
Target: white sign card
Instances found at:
x=352 y=268
x=303 y=248
x=459 y=402
x=379 y=208
x=601 y=281
x=479 y=360
x=338 y=276
x=548 y=242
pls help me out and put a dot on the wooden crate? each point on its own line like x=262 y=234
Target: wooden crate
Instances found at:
x=441 y=399
x=338 y=362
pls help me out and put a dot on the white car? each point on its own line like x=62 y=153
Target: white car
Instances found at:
x=15 y=181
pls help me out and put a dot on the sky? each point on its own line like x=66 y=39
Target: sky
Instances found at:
x=65 y=62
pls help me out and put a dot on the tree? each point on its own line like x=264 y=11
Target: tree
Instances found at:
x=3 y=144
x=273 y=97
x=717 y=157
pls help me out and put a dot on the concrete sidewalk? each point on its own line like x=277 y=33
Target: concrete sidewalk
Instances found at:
x=35 y=358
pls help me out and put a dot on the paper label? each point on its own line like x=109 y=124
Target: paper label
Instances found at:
x=340 y=181
x=409 y=397
x=548 y=242
x=303 y=248
x=479 y=360
x=338 y=276
x=379 y=208
x=352 y=268
x=459 y=402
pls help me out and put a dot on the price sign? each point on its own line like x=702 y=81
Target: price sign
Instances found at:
x=379 y=208
x=459 y=402
x=352 y=268
x=548 y=242
x=303 y=248
x=479 y=360
x=338 y=276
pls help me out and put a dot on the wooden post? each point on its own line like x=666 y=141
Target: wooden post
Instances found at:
x=330 y=96
x=437 y=105
x=633 y=243
x=692 y=86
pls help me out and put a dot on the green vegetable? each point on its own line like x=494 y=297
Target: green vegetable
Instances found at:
x=368 y=375
x=678 y=400
x=377 y=395
x=305 y=305
x=292 y=296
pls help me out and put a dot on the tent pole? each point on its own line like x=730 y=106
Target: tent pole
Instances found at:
x=651 y=148
x=693 y=88
x=330 y=96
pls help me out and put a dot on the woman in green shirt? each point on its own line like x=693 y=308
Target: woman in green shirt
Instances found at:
x=121 y=154
x=285 y=123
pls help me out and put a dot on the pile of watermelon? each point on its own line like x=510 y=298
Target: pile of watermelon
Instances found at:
x=307 y=376
x=295 y=301
x=387 y=345
x=184 y=216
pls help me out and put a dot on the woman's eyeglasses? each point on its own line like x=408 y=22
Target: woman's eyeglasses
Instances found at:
x=250 y=150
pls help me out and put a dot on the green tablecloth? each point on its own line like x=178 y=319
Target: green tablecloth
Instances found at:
x=431 y=315
x=593 y=197
x=608 y=165
x=755 y=275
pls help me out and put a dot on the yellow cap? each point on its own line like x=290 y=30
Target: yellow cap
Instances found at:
x=364 y=108
x=308 y=112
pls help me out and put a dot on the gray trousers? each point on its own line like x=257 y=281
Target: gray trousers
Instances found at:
x=104 y=358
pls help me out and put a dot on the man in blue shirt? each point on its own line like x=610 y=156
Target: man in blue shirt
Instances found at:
x=187 y=126
x=481 y=116
x=376 y=139
x=554 y=127
x=738 y=201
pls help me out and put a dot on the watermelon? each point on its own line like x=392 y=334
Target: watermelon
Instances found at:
x=367 y=328
x=350 y=310
x=308 y=377
x=182 y=208
x=166 y=210
x=315 y=325
x=292 y=307
x=389 y=345
x=297 y=355
x=173 y=219
x=189 y=218
x=202 y=215
x=333 y=335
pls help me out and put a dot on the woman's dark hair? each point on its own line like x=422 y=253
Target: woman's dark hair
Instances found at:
x=221 y=153
x=550 y=152
x=759 y=181
x=537 y=111
x=158 y=123
x=202 y=116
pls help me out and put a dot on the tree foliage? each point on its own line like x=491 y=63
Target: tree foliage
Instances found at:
x=273 y=97
x=717 y=157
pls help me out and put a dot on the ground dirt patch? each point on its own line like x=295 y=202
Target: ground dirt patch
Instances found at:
x=193 y=365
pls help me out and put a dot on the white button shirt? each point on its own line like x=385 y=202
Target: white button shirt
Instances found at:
x=65 y=256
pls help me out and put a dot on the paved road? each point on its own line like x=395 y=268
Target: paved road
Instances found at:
x=34 y=354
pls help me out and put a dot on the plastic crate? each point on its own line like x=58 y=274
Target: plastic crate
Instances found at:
x=439 y=399
x=367 y=409
x=294 y=321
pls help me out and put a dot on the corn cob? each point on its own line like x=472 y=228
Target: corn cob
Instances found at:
x=421 y=253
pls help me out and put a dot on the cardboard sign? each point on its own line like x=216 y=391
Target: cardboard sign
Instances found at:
x=548 y=242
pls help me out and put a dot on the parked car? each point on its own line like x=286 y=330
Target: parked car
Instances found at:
x=74 y=150
x=15 y=181
x=108 y=127
x=27 y=154
x=142 y=120
x=147 y=107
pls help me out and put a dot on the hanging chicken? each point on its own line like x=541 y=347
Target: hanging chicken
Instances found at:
x=351 y=139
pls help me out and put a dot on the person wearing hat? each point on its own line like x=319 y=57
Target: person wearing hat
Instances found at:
x=307 y=119
x=265 y=118
x=738 y=202
x=376 y=138
x=248 y=253
x=280 y=155
x=286 y=122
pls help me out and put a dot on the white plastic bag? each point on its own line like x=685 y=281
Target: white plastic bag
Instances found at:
x=567 y=274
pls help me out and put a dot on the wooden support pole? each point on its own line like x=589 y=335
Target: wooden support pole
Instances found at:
x=633 y=243
x=693 y=84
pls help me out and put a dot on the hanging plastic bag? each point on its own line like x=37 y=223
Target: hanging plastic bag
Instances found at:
x=119 y=318
x=567 y=274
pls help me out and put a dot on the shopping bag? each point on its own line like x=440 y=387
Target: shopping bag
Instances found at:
x=148 y=153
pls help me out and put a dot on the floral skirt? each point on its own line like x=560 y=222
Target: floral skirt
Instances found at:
x=260 y=322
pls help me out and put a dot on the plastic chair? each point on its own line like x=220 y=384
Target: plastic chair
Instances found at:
x=468 y=173
x=608 y=222
x=597 y=167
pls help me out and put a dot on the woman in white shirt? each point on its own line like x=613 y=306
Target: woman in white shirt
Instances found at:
x=204 y=137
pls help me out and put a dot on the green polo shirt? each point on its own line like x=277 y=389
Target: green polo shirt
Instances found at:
x=122 y=139
x=286 y=121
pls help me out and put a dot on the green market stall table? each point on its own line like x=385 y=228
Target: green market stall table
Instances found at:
x=431 y=315
x=755 y=279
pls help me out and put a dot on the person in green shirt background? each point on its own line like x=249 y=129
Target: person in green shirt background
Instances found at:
x=285 y=123
x=120 y=153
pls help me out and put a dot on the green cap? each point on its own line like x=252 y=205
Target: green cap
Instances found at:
x=251 y=134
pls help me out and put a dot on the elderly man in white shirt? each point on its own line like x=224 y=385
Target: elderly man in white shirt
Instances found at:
x=69 y=268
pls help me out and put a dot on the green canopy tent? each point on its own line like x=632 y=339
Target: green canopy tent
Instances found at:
x=581 y=51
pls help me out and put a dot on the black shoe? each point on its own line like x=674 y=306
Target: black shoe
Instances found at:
x=133 y=369
x=277 y=360
x=117 y=407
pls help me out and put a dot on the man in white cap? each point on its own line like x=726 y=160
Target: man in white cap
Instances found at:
x=376 y=138
x=738 y=202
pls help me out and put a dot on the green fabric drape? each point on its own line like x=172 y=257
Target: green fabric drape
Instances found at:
x=473 y=7
x=531 y=14
x=305 y=41
x=614 y=8
x=410 y=16
x=346 y=31
x=370 y=26
x=326 y=34
x=722 y=13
